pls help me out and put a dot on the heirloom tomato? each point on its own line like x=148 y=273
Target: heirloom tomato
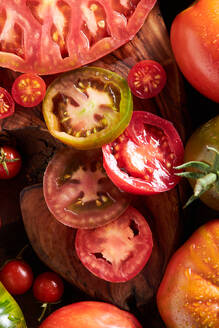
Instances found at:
x=88 y=107
x=52 y=36
x=188 y=295
x=90 y=315
x=195 y=42
x=10 y=162
x=142 y=159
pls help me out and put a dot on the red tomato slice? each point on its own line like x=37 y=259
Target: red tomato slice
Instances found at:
x=28 y=90
x=79 y=193
x=146 y=79
x=47 y=37
x=6 y=104
x=143 y=158
x=117 y=251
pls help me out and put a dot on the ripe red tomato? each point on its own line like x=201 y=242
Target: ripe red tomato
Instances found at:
x=90 y=315
x=195 y=43
x=16 y=276
x=146 y=79
x=28 y=90
x=142 y=159
x=189 y=292
x=117 y=251
x=10 y=162
x=48 y=287
x=47 y=37
x=6 y=104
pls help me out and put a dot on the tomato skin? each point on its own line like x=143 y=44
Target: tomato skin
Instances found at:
x=195 y=44
x=8 y=154
x=188 y=295
x=48 y=287
x=6 y=104
x=90 y=315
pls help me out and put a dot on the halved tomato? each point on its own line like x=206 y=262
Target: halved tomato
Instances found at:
x=118 y=251
x=47 y=37
x=6 y=104
x=78 y=192
x=88 y=107
x=143 y=158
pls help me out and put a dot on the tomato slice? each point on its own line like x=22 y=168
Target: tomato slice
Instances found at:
x=143 y=158
x=88 y=107
x=28 y=90
x=146 y=79
x=78 y=192
x=117 y=251
x=6 y=104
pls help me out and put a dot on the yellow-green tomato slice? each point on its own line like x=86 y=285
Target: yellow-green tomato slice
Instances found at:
x=88 y=107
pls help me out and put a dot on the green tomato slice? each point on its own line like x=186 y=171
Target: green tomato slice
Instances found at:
x=88 y=107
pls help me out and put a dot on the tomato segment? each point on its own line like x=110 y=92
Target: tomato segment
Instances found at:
x=6 y=104
x=143 y=158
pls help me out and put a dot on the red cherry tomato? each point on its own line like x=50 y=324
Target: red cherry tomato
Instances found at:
x=28 y=90
x=17 y=277
x=146 y=79
x=48 y=287
x=6 y=104
x=10 y=162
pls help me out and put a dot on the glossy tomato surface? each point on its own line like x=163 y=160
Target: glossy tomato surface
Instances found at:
x=47 y=37
x=79 y=193
x=90 y=315
x=48 y=287
x=143 y=158
x=189 y=292
x=117 y=251
x=10 y=162
x=195 y=43
x=6 y=104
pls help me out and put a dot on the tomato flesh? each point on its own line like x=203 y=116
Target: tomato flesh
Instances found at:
x=6 y=104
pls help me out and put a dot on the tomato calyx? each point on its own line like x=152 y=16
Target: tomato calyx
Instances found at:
x=4 y=160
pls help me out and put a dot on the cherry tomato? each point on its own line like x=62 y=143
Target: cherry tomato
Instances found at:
x=188 y=295
x=48 y=287
x=28 y=90
x=10 y=162
x=16 y=276
x=6 y=103
x=143 y=158
x=146 y=79
x=117 y=251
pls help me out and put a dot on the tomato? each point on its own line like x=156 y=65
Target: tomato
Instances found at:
x=11 y=315
x=47 y=37
x=195 y=43
x=90 y=315
x=189 y=292
x=143 y=158
x=48 y=287
x=10 y=162
x=16 y=276
x=117 y=251
x=88 y=107
x=146 y=79
x=6 y=104
x=78 y=192
x=28 y=90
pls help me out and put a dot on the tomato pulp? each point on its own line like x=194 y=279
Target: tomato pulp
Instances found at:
x=6 y=104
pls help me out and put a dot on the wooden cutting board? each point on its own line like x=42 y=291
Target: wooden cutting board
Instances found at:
x=26 y=130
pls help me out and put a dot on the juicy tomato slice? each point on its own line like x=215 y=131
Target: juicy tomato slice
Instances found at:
x=28 y=90
x=143 y=158
x=117 y=251
x=78 y=192
x=88 y=107
x=6 y=103
x=146 y=79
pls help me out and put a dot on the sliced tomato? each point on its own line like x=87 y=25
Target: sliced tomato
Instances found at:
x=78 y=192
x=117 y=251
x=143 y=158
x=28 y=90
x=88 y=107
x=6 y=104
x=47 y=37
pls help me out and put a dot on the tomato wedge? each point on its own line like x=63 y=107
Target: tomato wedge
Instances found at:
x=117 y=251
x=6 y=104
x=88 y=107
x=78 y=192
x=143 y=158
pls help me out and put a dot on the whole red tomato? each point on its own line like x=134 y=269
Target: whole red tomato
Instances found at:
x=189 y=292
x=195 y=43
x=10 y=162
x=48 y=287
